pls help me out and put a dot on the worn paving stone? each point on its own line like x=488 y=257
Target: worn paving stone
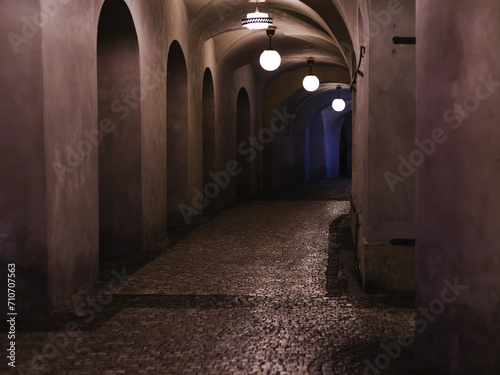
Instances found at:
x=244 y=293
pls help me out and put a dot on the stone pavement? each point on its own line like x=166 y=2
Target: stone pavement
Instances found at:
x=265 y=287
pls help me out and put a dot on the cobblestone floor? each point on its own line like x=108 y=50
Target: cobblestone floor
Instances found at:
x=259 y=289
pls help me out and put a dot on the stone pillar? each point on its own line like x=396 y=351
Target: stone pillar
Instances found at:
x=23 y=209
x=384 y=137
x=48 y=152
x=458 y=216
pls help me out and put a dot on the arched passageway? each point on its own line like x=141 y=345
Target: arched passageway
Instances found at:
x=315 y=149
x=208 y=134
x=345 y=148
x=243 y=132
x=177 y=133
x=318 y=139
x=119 y=98
x=337 y=142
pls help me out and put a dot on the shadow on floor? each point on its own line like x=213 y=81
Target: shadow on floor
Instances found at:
x=327 y=190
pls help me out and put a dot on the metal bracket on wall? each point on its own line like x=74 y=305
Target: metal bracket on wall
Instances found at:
x=404 y=40
x=403 y=242
x=358 y=71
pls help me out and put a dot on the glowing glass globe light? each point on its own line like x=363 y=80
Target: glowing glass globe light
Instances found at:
x=270 y=60
x=311 y=82
x=338 y=105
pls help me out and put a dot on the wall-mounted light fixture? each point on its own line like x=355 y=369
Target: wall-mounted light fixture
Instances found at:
x=310 y=82
x=270 y=59
x=338 y=104
x=257 y=20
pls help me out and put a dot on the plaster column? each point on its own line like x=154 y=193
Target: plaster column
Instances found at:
x=23 y=208
x=458 y=216
x=384 y=135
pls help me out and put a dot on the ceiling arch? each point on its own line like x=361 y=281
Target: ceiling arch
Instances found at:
x=305 y=105
x=304 y=28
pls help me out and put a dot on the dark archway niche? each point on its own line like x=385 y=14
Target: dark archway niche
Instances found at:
x=119 y=101
x=243 y=132
x=208 y=134
x=177 y=133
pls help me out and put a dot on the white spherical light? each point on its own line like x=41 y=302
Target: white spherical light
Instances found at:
x=311 y=82
x=270 y=60
x=338 y=105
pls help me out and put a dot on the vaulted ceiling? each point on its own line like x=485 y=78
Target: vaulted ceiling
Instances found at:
x=307 y=28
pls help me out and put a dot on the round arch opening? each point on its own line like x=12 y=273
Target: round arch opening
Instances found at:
x=119 y=131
